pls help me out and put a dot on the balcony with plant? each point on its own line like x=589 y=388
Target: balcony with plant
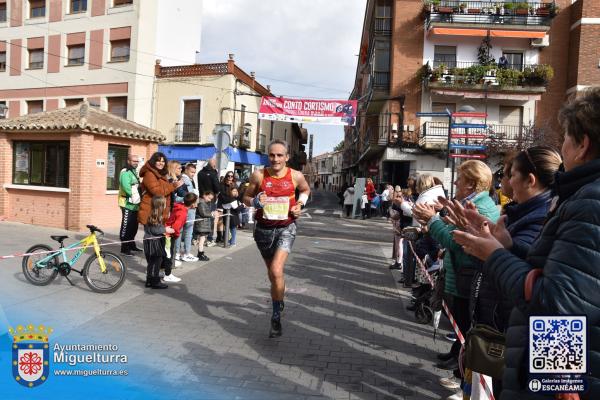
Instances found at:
x=489 y=12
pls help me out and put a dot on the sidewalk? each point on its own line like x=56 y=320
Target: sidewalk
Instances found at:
x=18 y=294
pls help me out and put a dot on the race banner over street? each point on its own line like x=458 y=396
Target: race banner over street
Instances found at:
x=327 y=112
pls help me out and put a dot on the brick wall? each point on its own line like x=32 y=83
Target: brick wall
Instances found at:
x=547 y=108
x=407 y=56
x=588 y=72
x=81 y=182
x=5 y=172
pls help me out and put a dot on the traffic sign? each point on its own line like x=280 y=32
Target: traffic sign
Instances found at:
x=469 y=126
x=469 y=115
x=458 y=146
x=463 y=136
x=433 y=114
x=222 y=136
x=476 y=156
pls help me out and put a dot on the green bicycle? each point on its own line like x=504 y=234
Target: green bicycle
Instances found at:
x=103 y=272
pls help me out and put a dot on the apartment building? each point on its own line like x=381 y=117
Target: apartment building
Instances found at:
x=56 y=53
x=192 y=100
x=516 y=61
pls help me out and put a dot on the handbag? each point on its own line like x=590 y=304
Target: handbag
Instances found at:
x=135 y=195
x=484 y=345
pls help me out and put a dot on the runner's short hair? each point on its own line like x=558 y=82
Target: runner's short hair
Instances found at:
x=281 y=142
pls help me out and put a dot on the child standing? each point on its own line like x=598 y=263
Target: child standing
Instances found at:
x=177 y=220
x=154 y=249
x=234 y=220
x=202 y=225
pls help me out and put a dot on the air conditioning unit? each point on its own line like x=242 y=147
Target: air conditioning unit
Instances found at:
x=541 y=42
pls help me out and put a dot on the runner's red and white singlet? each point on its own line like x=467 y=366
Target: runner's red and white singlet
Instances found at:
x=277 y=190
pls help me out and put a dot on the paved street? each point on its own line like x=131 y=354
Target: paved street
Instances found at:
x=346 y=333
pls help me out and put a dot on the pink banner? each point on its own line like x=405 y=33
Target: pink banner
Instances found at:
x=328 y=112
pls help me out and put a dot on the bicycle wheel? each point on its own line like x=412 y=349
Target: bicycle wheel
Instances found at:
x=108 y=281
x=39 y=276
x=423 y=314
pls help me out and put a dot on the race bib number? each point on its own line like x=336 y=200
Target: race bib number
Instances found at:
x=276 y=208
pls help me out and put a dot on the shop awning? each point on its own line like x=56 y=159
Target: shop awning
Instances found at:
x=518 y=34
x=193 y=153
x=459 y=32
x=484 y=32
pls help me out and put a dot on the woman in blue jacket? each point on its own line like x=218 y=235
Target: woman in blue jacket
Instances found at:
x=560 y=275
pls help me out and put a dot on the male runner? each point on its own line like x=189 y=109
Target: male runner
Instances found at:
x=272 y=191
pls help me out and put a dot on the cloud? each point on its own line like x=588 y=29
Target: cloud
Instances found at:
x=310 y=42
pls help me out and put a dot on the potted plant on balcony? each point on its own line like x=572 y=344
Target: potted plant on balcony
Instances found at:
x=538 y=75
x=509 y=77
x=522 y=8
x=424 y=73
x=508 y=7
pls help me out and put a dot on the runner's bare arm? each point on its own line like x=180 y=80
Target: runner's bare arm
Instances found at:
x=301 y=183
x=253 y=188
x=304 y=190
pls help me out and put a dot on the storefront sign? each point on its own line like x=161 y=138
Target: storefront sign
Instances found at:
x=328 y=112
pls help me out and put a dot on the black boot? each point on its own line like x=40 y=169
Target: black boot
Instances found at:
x=157 y=284
x=219 y=236
x=445 y=356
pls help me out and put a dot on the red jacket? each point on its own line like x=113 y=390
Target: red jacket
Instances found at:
x=370 y=191
x=177 y=219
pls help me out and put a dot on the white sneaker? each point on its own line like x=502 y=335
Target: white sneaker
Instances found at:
x=171 y=278
x=178 y=257
x=456 y=396
x=212 y=243
x=189 y=258
x=161 y=274
x=449 y=383
x=177 y=263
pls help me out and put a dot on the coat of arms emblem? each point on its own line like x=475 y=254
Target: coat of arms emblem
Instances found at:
x=30 y=354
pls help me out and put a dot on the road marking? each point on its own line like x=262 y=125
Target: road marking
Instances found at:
x=314 y=223
x=305 y=215
x=338 y=213
x=319 y=211
x=353 y=225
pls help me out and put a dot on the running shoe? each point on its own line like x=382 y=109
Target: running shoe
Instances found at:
x=189 y=258
x=275 y=328
x=171 y=278
x=212 y=243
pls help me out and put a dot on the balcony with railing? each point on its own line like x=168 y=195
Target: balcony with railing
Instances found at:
x=241 y=141
x=188 y=133
x=498 y=137
x=471 y=75
x=499 y=13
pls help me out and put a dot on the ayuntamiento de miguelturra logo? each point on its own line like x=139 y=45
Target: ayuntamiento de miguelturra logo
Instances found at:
x=30 y=354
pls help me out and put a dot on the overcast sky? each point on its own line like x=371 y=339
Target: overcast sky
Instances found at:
x=303 y=48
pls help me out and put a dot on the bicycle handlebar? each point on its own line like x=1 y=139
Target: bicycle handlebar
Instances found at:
x=93 y=229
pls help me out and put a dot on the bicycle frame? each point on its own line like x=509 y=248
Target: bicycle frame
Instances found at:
x=90 y=240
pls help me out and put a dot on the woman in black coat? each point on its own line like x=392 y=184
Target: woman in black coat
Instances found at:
x=560 y=274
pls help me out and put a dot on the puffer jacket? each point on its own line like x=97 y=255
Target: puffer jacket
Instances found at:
x=568 y=251
x=153 y=184
x=524 y=222
x=461 y=267
x=203 y=225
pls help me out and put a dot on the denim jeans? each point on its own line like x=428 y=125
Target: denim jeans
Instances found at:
x=186 y=233
x=232 y=234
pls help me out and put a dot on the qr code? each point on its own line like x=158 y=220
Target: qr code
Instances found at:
x=557 y=345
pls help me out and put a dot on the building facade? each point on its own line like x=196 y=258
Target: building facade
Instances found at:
x=493 y=57
x=61 y=168
x=57 y=53
x=192 y=100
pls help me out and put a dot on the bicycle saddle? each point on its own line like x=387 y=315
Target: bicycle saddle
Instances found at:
x=59 y=239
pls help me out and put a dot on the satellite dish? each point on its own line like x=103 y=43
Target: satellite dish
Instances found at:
x=222 y=136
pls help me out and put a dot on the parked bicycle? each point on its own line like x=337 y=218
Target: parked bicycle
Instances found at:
x=103 y=271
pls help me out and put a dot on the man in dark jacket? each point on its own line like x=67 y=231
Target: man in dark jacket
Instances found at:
x=208 y=181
